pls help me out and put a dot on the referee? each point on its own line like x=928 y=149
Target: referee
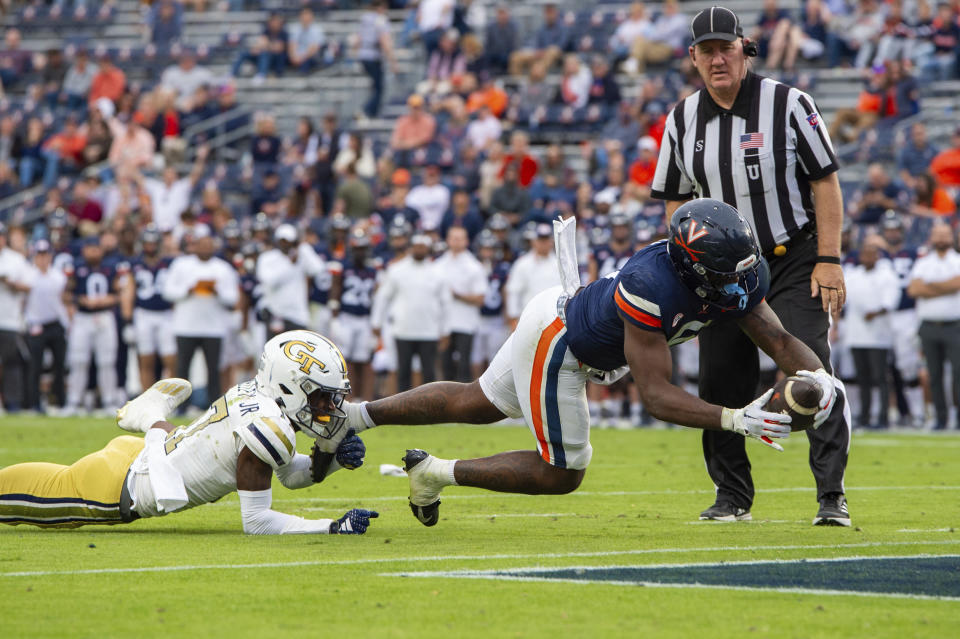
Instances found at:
x=760 y=146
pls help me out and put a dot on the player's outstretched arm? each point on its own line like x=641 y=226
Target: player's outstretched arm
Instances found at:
x=648 y=355
x=791 y=355
x=253 y=487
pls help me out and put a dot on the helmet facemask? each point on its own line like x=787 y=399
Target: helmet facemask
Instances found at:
x=321 y=416
x=729 y=291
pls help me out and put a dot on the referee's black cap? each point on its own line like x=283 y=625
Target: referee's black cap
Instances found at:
x=715 y=23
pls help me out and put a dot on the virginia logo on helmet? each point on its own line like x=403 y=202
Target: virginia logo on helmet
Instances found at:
x=302 y=356
x=693 y=234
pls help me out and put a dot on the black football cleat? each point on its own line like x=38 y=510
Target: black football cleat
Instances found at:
x=833 y=511
x=725 y=511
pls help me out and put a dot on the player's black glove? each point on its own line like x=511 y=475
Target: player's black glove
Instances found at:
x=349 y=455
x=354 y=522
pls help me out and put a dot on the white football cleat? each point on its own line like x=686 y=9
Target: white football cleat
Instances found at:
x=428 y=475
x=153 y=405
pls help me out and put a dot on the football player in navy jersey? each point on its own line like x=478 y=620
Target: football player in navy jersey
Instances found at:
x=351 y=297
x=94 y=291
x=493 y=323
x=152 y=314
x=710 y=270
x=613 y=255
x=905 y=324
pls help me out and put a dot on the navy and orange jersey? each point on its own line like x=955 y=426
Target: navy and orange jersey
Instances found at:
x=648 y=293
x=93 y=281
x=149 y=279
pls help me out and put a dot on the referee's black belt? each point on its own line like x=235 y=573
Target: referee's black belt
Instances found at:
x=800 y=237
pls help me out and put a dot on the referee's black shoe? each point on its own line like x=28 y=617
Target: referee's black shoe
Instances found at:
x=833 y=511
x=725 y=511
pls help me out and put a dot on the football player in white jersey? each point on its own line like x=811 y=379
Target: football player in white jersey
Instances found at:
x=238 y=444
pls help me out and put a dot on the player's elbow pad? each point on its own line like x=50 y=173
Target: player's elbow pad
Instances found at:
x=259 y=519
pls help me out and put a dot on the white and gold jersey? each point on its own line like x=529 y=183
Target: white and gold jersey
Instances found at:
x=205 y=452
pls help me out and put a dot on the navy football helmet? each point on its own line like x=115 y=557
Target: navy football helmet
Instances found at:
x=715 y=253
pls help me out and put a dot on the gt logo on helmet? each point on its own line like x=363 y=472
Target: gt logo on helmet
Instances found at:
x=302 y=355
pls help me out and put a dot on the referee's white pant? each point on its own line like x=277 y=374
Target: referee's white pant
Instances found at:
x=535 y=376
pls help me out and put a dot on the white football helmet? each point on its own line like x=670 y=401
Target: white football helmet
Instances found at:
x=306 y=375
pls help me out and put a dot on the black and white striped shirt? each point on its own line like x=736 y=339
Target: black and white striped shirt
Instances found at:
x=760 y=156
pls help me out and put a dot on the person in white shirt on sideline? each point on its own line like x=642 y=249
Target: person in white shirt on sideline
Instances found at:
x=170 y=195
x=282 y=272
x=15 y=282
x=415 y=296
x=873 y=291
x=430 y=199
x=533 y=272
x=45 y=316
x=203 y=289
x=467 y=280
x=935 y=284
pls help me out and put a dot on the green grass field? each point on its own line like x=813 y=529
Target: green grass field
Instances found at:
x=195 y=574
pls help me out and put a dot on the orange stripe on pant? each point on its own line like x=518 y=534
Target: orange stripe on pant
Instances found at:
x=536 y=383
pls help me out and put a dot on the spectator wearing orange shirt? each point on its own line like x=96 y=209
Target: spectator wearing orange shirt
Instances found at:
x=415 y=129
x=488 y=94
x=643 y=168
x=930 y=199
x=871 y=106
x=109 y=81
x=946 y=164
x=64 y=149
x=519 y=155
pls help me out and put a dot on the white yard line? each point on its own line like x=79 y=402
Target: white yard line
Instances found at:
x=536 y=556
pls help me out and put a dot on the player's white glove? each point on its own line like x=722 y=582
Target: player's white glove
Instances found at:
x=753 y=421
x=828 y=393
x=129 y=335
x=606 y=378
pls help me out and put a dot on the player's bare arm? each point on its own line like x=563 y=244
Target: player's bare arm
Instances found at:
x=649 y=358
x=252 y=474
x=791 y=355
x=648 y=355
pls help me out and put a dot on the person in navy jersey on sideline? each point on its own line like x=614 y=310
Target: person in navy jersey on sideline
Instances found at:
x=152 y=314
x=709 y=270
x=351 y=300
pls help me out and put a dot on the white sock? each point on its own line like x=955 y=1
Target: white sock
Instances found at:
x=448 y=472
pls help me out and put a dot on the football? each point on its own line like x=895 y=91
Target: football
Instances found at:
x=797 y=397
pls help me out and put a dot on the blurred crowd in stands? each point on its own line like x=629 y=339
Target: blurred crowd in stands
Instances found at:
x=174 y=219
